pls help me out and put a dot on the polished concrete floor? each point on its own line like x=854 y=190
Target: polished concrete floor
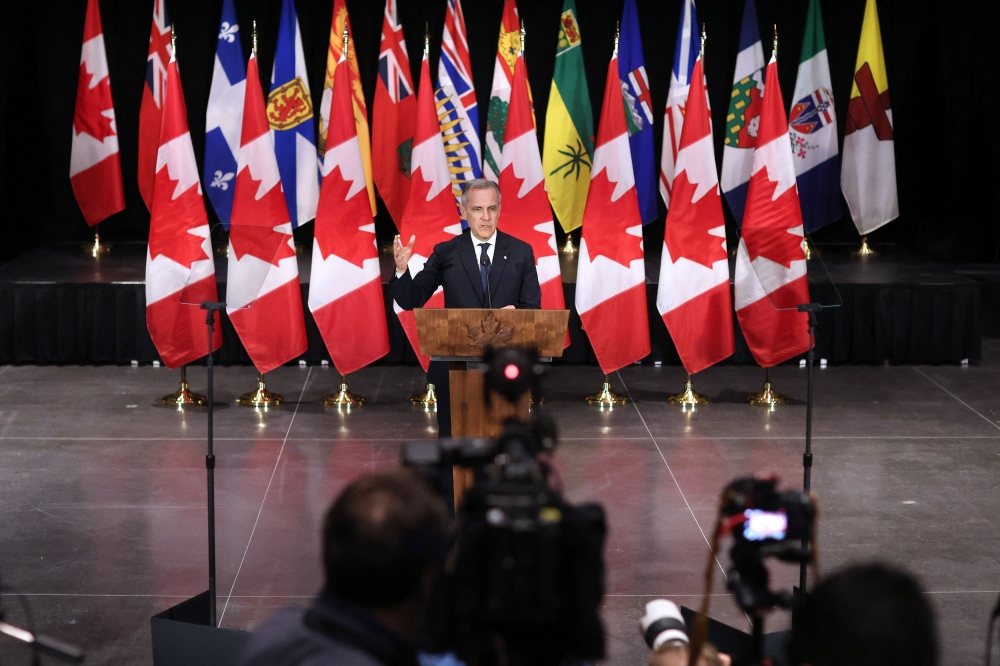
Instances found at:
x=102 y=490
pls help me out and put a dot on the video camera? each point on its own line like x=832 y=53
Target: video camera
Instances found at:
x=525 y=574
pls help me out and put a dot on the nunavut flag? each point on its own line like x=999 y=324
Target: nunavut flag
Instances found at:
x=345 y=294
x=693 y=293
x=180 y=270
x=151 y=108
x=393 y=117
x=527 y=215
x=263 y=297
x=95 y=171
x=868 y=175
x=771 y=261
x=611 y=279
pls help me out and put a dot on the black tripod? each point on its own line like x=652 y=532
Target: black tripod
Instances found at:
x=211 y=308
x=812 y=309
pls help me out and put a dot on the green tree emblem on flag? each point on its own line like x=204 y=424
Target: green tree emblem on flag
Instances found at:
x=404 y=154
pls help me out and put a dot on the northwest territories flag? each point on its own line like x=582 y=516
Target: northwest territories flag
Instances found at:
x=224 y=115
x=638 y=111
x=290 y=115
x=455 y=97
x=743 y=118
x=813 y=129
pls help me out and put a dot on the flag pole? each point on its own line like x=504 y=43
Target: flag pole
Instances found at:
x=428 y=398
x=767 y=397
x=865 y=250
x=606 y=398
x=343 y=399
x=183 y=395
x=260 y=398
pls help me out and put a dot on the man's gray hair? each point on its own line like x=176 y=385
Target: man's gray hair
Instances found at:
x=478 y=184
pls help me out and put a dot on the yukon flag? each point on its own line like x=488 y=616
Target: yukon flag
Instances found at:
x=430 y=214
x=685 y=53
x=263 y=297
x=345 y=294
x=771 y=262
x=393 y=117
x=526 y=208
x=744 y=114
x=868 y=177
x=180 y=269
x=611 y=279
x=693 y=293
x=151 y=108
x=508 y=46
x=341 y=21
x=95 y=171
x=813 y=129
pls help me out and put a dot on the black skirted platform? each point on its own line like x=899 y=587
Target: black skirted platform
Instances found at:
x=59 y=305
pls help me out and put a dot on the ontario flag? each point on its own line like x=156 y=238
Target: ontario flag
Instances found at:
x=430 y=214
x=611 y=278
x=95 y=171
x=526 y=208
x=393 y=117
x=151 y=108
x=771 y=262
x=693 y=293
x=180 y=270
x=345 y=288
x=263 y=298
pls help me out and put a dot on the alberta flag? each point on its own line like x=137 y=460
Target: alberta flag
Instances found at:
x=813 y=130
x=638 y=111
x=224 y=115
x=290 y=115
x=743 y=118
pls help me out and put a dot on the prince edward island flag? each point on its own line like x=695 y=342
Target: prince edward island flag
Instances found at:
x=813 y=129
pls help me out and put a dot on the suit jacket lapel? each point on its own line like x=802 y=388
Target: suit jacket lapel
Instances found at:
x=499 y=263
x=467 y=255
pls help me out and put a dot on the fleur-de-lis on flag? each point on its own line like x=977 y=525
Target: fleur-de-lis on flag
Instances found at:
x=228 y=32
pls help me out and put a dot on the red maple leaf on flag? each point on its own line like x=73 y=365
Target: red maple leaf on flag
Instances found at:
x=432 y=217
x=688 y=223
x=767 y=224
x=605 y=228
x=527 y=212
x=90 y=102
x=172 y=220
x=343 y=236
x=255 y=233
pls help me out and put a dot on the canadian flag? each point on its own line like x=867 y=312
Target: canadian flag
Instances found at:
x=180 y=270
x=345 y=289
x=693 y=294
x=771 y=262
x=430 y=214
x=263 y=297
x=95 y=171
x=151 y=108
x=527 y=214
x=611 y=278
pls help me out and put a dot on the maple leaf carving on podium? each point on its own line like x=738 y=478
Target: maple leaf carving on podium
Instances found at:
x=490 y=334
x=604 y=225
x=688 y=224
x=767 y=223
x=339 y=231
x=92 y=101
x=173 y=219
x=253 y=230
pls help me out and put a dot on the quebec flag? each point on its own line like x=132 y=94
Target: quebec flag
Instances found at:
x=290 y=115
x=224 y=118
x=638 y=111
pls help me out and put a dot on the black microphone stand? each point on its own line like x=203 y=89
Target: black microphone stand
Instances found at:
x=211 y=308
x=812 y=309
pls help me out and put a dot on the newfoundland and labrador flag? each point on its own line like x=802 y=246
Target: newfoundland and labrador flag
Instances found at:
x=224 y=115
x=290 y=115
x=638 y=111
x=744 y=114
x=813 y=129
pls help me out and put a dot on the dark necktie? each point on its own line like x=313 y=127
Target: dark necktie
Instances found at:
x=484 y=266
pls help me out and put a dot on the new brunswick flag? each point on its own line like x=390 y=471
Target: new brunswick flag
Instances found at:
x=569 y=127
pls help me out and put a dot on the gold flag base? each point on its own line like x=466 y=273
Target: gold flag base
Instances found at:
x=261 y=398
x=343 y=398
x=865 y=250
x=606 y=397
x=427 y=399
x=568 y=247
x=767 y=397
x=183 y=396
x=809 y=250
x=688 y=399
x=96 y=248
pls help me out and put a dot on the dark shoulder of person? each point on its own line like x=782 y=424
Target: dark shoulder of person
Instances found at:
x=285 y=640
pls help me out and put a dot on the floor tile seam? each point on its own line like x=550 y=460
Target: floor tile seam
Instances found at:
x=967 y=405
x=680 y=438
x=263 y=500
x=310 y=596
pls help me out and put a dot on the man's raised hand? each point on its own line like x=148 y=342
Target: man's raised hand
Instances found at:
x=401 y=253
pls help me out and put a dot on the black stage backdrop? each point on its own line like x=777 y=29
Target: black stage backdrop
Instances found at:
x=941 y=59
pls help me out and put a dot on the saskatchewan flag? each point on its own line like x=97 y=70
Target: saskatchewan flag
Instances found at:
x=569 y=127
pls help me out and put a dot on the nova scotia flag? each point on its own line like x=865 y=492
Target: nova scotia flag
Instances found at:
x=290 y=115
x=224 y=117
x=638 y=111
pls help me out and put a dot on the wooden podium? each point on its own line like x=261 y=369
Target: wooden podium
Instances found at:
x=461 y=337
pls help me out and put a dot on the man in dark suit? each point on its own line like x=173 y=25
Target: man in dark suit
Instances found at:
x=480 y=268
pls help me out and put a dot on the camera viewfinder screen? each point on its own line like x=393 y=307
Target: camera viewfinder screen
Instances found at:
x=761 y=525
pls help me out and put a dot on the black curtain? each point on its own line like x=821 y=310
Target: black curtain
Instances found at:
x=941 y=61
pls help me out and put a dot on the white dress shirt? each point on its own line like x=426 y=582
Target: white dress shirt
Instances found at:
x=490 y=250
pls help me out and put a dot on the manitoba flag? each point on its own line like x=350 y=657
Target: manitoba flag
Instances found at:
x=180 y=270
x=611 y=279
x=151 y=109
x=263 y=297
x=94 y=169
x=771 y=262
x=345 y=289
